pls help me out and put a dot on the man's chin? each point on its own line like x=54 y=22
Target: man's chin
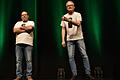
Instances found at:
x=25 y=20
x=71 y=11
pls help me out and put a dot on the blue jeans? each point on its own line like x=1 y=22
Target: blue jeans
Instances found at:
x=23 y=49
x=71 y=51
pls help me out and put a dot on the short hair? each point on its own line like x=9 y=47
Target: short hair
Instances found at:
x=69 y=1
x=23 y=12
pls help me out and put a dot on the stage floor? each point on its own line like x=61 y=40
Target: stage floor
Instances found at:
x=59 y=79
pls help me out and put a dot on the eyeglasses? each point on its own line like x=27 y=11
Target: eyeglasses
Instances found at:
x=70 y=5
x=24 y=14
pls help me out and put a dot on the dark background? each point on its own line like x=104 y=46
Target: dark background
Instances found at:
x=46 y=61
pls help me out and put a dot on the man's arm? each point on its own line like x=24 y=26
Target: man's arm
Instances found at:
x=28 y=28
x=63 y=37
x=76 y=23
x=23 y=29
x=18 y=30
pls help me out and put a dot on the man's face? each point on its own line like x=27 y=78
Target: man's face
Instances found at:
x=24 y=16
x=70 y=6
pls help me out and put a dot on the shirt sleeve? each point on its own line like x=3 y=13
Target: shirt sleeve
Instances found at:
x=32 y=23
x=79 y=17
x=17 y=25
x=62 y=23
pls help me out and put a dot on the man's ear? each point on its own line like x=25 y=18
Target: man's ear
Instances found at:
x=74 y=7
x=28 y=16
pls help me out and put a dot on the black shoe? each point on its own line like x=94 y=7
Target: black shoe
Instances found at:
x=73 y=77
x=89 y=77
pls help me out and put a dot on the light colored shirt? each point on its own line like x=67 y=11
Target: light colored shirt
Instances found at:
x=24 y=38
x=74 y=33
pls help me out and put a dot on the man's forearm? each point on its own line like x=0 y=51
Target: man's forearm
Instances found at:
x=74 y=23
x=18 y=30
x=63 y=35
x=29 y=29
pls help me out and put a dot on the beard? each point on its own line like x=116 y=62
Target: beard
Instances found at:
x=70 y=11
x=24 y=20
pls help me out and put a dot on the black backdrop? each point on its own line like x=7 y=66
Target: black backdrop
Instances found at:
x=45 y=59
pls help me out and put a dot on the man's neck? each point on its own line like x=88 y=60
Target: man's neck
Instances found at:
x=25 y=21
x=70 y=13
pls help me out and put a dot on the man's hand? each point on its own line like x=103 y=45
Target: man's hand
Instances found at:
x=22 y=28
x=64 y=18
x=67 y=19
x=63 y=44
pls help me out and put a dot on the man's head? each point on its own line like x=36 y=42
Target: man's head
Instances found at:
x=24 y=16
x=70 y=6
